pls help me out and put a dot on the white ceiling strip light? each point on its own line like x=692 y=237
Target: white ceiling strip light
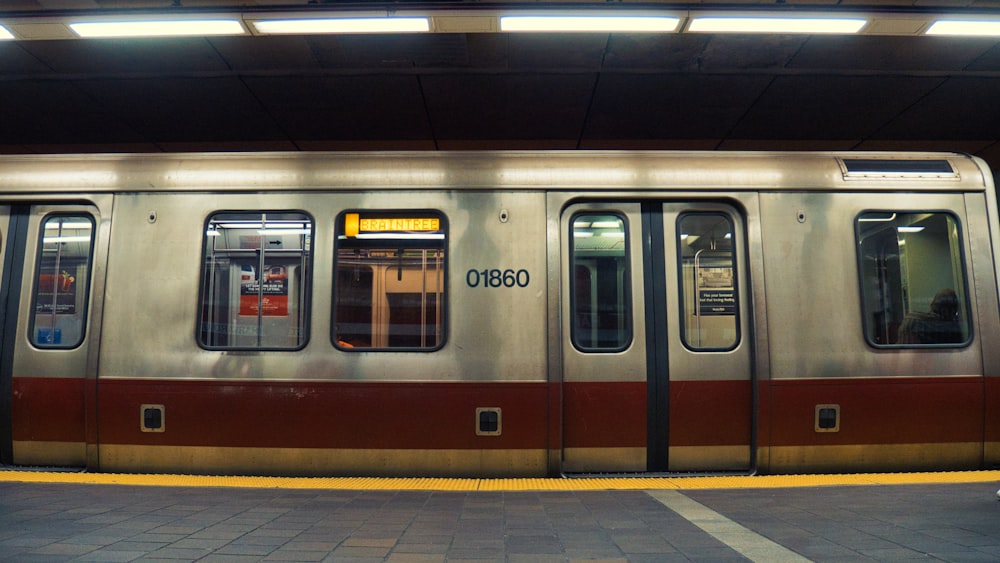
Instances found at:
x=165 y=28
x=773 y=24
x=601 y=24
x=306 y=26
x=970 y=28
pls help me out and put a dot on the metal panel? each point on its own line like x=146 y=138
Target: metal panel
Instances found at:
x=492 y=334
x=814 y=306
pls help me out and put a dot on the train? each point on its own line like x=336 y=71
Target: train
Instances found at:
x=499 y=313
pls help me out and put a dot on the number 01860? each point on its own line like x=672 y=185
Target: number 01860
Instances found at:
x=497 y=278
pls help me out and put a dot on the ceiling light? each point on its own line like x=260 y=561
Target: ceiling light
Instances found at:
x=343 y=25
x=5 y=33
x=967 y=27
x=601 y=24
x=769 y=24
x=167 y=28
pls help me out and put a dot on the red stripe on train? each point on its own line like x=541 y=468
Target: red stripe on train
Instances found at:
x=48 y=409
x=879 y=411
x=324 y=415
x=442 y=415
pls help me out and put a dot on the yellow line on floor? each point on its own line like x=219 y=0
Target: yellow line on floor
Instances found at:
x=539 y=484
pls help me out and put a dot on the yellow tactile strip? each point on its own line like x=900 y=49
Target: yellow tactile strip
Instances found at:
x=447 y=484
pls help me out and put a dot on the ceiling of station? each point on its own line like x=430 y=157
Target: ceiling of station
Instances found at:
x=495 y=90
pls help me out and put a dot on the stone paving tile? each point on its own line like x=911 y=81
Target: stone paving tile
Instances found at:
x=43 y=522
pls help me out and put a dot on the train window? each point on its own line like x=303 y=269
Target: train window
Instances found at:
x=62 y=281
x=912 y=279
x=599 y=294
x=708 y=288
x=389 y=283
x=255 y=281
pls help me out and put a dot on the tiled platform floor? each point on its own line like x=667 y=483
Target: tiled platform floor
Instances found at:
x=86 y=522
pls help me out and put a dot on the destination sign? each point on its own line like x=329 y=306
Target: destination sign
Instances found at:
x=355 y=224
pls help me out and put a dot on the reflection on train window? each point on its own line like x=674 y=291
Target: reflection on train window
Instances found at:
x=389 y=285
x=710 y=315
x=912 y=279
x=600 y=299
x=62 y=281
x=255 y=281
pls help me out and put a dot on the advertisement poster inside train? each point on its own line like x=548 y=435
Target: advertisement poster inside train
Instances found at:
x=56 y=293
x=265 y=295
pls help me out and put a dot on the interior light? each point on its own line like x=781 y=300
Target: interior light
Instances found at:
x=343 y=25
x=606 y=224
x=602 y=24
x=613 y=234
x=5 y=33
x=582 y=234
x=982 y=28
x=168 y=28
x=53 y=226
x=762 y=24
x=916 y=229
x=66 y=239
x=270 y=231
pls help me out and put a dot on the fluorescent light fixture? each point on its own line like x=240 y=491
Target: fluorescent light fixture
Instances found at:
x=5 y=33
x=165 y=28
x=595 y=23
x=915 y=229
x=582 y=234
x=66 y=239
x=980 y=28
x=54 y=226
x=774 y=24
x=308 y=26
x=270 y=231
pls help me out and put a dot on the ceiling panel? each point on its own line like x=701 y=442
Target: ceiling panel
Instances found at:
x=184 y=109
x=46 y=112
x=343 y=107
x=508 y=106
x=891 y=54
x=117 y=56
x=961 y=108
x=671 y=106
x=831 y=107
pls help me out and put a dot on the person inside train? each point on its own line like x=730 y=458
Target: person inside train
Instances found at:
x=939 y=326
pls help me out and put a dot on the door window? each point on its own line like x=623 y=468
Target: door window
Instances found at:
x=62 y=281
x=708 y=281
x=600 y=300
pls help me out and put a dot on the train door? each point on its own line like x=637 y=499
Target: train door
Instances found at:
x=656 y=348
x=45 y=299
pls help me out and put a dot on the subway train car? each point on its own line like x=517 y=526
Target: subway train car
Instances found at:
x=499 y=313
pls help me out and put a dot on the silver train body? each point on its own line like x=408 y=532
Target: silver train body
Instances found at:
x=499 y=313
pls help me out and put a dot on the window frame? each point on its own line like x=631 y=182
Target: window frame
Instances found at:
x=442 y=303
x=965 y=307
x=39 y=259
x=627 y=280
x=306 y=289
x=734 y=264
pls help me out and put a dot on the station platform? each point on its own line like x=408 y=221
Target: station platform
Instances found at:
x=65 y=516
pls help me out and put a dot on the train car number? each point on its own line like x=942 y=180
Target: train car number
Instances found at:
x=497 y=278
